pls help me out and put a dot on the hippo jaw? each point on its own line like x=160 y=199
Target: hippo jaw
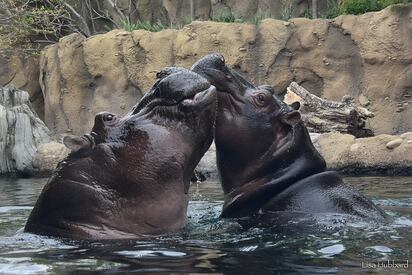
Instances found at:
x=177 y=91
x=186 y=103
x=180 y=100
x=178 y=95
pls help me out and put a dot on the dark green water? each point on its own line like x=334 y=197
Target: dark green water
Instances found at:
x=332 y=244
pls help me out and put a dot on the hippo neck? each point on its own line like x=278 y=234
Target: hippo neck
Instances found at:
x=298 y=160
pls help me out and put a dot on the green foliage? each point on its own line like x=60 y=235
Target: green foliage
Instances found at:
x=308 y=13
x=362 y=6
x=225 y=18
x=26 y=22
x=359 y=6
x=287 y=9
x=386 y=3
x=333 y=10
x=259 y=17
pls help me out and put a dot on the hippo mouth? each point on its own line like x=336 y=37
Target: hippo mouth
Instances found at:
x=191 y=101
x=176 y=87
x=199 y=98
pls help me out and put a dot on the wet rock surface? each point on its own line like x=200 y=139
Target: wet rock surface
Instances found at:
x=21 y=132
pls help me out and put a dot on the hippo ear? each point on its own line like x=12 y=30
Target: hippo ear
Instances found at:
x=76 y=143
x=295 y=105
x=291 y=118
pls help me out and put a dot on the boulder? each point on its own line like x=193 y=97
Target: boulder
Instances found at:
x=358 y=56
x=380 y=155
x=47 y=157
x=21 y=131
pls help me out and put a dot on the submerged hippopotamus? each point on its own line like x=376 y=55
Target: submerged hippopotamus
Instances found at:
x=130 y=176
x=265 y=156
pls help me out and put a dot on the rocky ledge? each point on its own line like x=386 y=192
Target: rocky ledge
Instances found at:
x=379 y=155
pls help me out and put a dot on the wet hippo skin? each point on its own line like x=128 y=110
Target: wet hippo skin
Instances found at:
x=265 y=157
x=130 y=176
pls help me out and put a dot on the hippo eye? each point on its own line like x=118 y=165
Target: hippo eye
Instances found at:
x=260 y=100
x=108 y=118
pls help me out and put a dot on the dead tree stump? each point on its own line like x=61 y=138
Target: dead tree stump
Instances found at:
x=321 y=115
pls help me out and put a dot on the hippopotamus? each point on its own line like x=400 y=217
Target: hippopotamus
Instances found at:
x=265 y=157
x=130 y=176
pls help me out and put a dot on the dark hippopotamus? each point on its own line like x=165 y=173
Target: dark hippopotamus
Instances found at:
x=130 y=176
x=265 y=156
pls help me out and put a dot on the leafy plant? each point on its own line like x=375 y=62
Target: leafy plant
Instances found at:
x=333 y=10
x=26 y=23
x=259 y=17
x=287 y=9
x=225 y=18
x=359 y=6
x=307 y=13
x=362 y=6
x=385 y=3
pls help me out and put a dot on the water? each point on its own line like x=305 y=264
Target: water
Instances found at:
x=332 y=244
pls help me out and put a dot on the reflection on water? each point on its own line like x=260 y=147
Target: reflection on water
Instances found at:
x=314 y=244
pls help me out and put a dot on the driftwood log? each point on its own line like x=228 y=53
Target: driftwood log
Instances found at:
x=321 y=115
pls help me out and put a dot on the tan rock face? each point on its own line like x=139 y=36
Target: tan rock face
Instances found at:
x=367 y=56
x=23 y=72
x=81 y=77
x=375 y=154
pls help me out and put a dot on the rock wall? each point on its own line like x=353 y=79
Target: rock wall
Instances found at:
x=23 y=72
x=21 y=131
x=368 y=57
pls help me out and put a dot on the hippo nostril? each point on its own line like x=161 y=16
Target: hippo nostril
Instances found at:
x=222 y=58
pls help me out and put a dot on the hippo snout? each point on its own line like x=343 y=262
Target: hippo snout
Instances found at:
x=211 y=61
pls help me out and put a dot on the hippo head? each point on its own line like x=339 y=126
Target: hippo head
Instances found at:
x=181 y=104
x=257 y=134
x=130 y=175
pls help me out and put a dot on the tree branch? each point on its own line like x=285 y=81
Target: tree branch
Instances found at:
x=81 y=18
